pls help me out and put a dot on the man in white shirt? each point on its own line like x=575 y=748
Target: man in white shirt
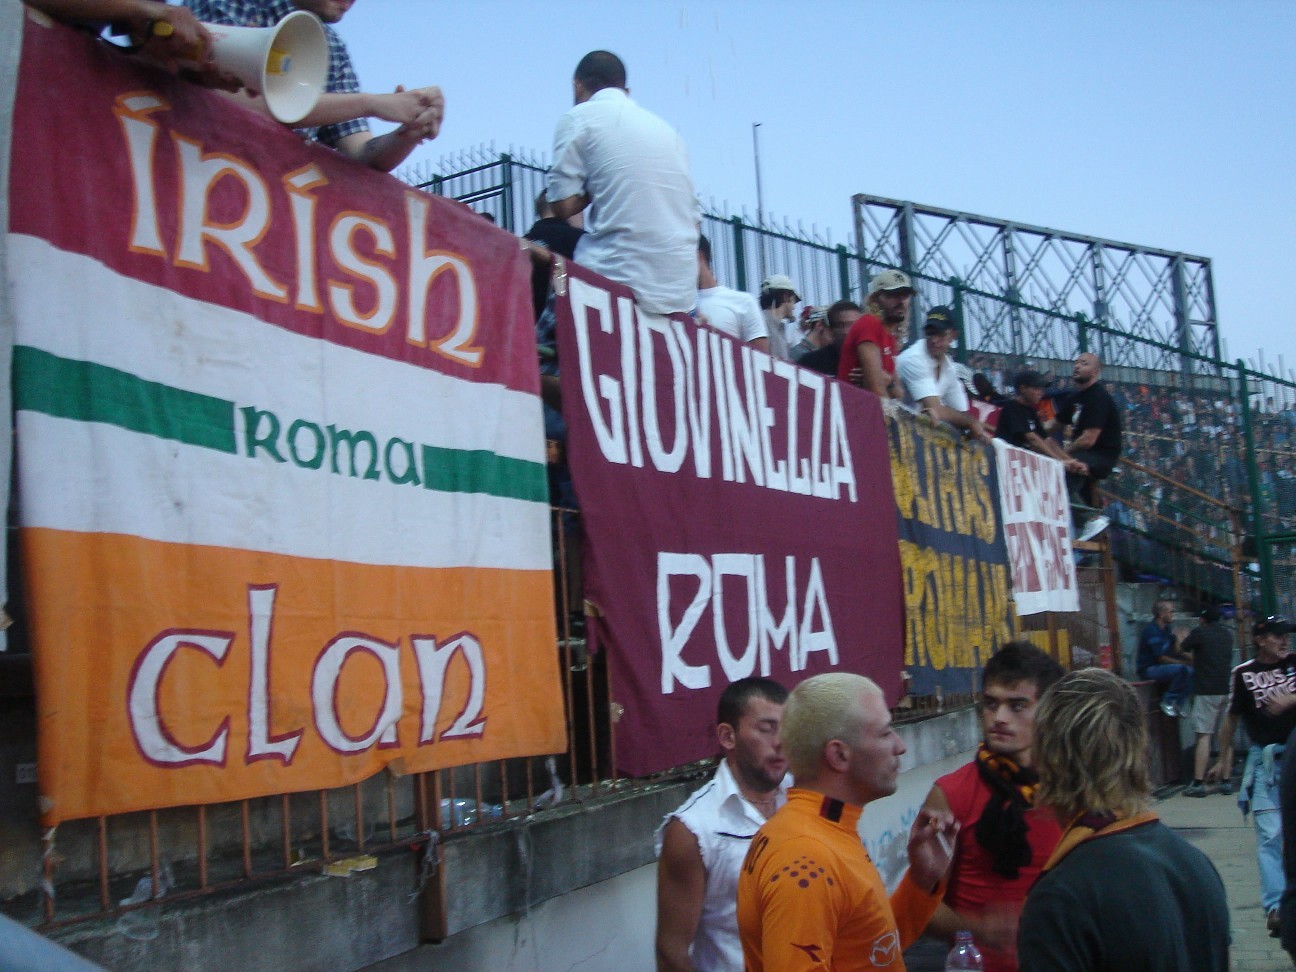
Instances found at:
x=701 y=846
x=734 y=312
x=631 y=170
x=929 y=377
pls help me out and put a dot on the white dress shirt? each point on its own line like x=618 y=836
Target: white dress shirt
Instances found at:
x=925 y=377
x=641 y=228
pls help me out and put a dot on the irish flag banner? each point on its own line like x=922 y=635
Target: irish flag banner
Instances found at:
x=281 y=476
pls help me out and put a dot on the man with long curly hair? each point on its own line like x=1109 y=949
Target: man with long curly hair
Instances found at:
x=1122 y=890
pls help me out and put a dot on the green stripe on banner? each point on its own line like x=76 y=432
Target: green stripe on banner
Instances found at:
x=89 y=392
x=479 y=471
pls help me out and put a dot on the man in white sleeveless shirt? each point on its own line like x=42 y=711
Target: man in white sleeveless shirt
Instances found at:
x=701 y=846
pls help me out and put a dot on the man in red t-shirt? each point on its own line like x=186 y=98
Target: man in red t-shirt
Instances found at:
x=874 y=340
x=1003 y=838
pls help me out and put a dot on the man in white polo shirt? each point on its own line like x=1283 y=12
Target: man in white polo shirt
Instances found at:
x=929 y=377
x=631 y=170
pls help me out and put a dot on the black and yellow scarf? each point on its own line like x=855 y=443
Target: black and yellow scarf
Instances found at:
x=1002 y=829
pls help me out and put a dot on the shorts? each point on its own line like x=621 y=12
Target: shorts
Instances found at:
x=1206 y=711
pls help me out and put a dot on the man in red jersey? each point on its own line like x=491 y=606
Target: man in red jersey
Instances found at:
x=1004 y=839
x=874 y=340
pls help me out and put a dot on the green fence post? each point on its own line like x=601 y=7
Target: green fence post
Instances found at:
x=843 y=271
x=1268 y=600
x=961 y=351
x=506 y=167
x=740 y=254
x=1082 y=333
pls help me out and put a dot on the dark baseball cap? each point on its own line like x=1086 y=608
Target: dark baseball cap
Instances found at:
x=1272 y=625
x=1031 y=379
x=939 y=319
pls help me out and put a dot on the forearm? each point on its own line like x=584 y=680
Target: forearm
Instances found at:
x=336 y=107
x=1085 y=440
x=569 y=207
x=913 y=904
x=946 y=921
x=127 y=10
x=960 y=420
x=385 y=152
x=1047 y=447
x=876 y=380
x=672 y=956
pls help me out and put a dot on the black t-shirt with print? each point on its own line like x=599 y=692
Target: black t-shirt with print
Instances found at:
x=1254 y=683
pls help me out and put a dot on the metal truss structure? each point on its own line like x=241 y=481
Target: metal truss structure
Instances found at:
x=1032 y=292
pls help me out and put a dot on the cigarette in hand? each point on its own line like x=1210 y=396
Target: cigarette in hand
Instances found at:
x=944 y=841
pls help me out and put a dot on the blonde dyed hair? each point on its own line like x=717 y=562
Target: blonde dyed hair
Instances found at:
x=818 y=710
x=1090 y=746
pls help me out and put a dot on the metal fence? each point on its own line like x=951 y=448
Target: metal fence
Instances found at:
x=1205 y=500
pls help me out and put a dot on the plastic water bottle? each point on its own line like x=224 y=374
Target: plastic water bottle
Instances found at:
x=964 y=955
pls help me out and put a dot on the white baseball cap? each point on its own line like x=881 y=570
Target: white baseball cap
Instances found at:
x=777 y=281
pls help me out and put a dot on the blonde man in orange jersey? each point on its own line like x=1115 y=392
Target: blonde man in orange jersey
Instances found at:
x=809 y=897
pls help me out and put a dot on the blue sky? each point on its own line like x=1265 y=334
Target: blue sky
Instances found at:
x=1157 y=123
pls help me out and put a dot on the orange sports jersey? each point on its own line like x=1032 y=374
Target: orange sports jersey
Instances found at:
x=809 y=897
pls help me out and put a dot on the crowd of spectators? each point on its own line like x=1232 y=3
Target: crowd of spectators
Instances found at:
x=1191 y=431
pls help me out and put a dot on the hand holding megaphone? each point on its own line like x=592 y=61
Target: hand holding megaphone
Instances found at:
x=167 y=35
x=287 y=64
x=173 y=34
x=182 y=45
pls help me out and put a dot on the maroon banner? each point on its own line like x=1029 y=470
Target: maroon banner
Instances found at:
x=195 y=194
x=738 y=514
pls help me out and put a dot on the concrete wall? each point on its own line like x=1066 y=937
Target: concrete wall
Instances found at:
x=611 y=924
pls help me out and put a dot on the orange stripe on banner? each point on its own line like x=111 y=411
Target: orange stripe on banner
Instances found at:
x=170 y=675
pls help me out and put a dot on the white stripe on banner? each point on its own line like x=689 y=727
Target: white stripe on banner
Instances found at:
x=186 y=343
x=163 y=490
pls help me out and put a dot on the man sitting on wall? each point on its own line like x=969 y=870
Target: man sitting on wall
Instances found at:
x=628 y=170
x=1161 y=661
x=1095 y=441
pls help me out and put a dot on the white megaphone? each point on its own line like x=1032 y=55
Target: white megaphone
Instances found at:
x=287 y=63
